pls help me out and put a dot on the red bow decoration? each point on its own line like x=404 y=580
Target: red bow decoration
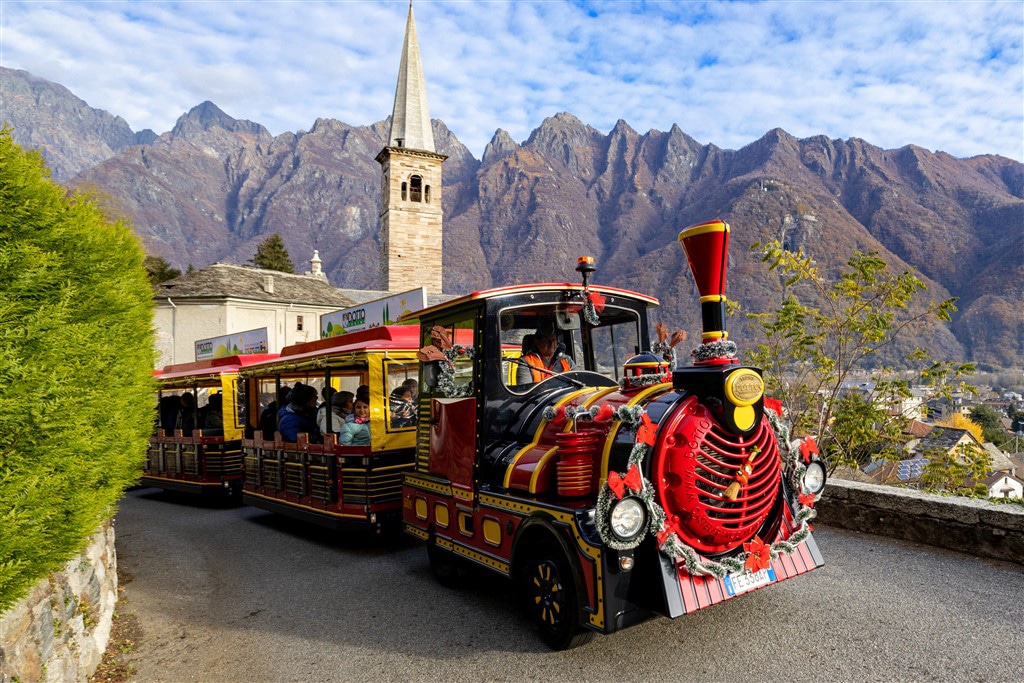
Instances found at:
x=597 y=300
x=604 y=413
x=633 y=480
x=806 y=499
x=645 y=434
x=774 y=405
x=760 y=555
x=807 y=447
x=440 y=337
x=559 y=419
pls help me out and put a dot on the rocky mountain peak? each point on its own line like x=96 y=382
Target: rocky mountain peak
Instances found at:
x=207 y=116
x=500 y=145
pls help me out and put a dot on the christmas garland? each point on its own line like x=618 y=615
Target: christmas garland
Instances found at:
x=715 y=349
x=446 y=381
x=663 y=349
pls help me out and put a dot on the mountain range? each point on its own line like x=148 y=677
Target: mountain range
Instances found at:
x=213 y=187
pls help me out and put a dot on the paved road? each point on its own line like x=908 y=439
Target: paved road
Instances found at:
x=238 y=594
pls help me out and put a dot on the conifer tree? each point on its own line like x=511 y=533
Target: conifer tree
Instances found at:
x=76 y=357
x=272 y=255
x=159 y=269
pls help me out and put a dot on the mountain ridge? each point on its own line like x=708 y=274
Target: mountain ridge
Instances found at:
x=213 y=186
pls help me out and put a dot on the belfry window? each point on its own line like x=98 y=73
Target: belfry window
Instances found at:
x=404 y=192
x=416 y=188
x=426 y=193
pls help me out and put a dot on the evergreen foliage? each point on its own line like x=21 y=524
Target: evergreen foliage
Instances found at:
x=272 y=255
x=159 y=269
x=76 y=357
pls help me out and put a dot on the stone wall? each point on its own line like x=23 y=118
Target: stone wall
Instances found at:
x=967 y=525
x=59 y=632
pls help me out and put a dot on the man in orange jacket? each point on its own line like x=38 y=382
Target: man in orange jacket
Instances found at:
x=547 y=354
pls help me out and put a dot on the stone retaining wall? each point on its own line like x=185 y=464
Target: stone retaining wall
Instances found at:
x=59 y=632
x=967 y=525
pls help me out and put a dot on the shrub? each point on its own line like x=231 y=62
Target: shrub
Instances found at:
x=76 y=356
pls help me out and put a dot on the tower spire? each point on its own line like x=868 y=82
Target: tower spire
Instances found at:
x=410 y=122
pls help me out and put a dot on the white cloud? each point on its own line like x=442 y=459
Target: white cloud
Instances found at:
x=942 y=75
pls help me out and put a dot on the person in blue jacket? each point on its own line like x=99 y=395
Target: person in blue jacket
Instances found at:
x=299 y=415
x=357 y=432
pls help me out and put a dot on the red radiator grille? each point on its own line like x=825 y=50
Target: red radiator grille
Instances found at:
x=695 y=462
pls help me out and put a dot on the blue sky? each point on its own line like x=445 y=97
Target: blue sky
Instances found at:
x=946 y=76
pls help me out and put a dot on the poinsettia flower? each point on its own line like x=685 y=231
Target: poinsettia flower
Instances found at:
x=759 y=555
x=597 y=300
x=634 y=480
x=616 y=484
x=806 y=499
x=774 y=405
x=808 y=447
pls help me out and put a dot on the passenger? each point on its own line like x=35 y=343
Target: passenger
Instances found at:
x=211 y=416
x=414 y=387
x=186 y=420
x=403 y=411
x=341 y=409
x=545 y=353
x=363 y=393
x=299 y=416
x=321 y=411
x=357 y=432
x=169 y=413
x=268 y=418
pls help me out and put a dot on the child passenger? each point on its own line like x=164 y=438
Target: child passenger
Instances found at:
x=357 y=432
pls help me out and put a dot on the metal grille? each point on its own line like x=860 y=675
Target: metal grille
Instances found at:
x=272 y=474
x=366 y=486
x=295 y=478
x=321 y=483
x=252 y=470
x=721 y=457
x=220 y=463
x=189 y=463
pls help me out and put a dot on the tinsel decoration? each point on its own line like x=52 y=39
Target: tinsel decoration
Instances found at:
x=715 y=349
x=446 y=379
x=644 y=380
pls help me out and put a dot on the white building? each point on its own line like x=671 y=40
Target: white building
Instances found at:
x=226 y=299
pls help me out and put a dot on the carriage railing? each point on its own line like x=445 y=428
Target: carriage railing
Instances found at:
x=328 y=472
x=200 y=457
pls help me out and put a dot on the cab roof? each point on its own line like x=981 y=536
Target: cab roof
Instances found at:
x=383 y=338
x=415 y=316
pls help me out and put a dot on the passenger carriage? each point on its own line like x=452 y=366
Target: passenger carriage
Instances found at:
x=203 y=454
x=321 y=480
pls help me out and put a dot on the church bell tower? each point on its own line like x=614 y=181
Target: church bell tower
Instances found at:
x=411 y=216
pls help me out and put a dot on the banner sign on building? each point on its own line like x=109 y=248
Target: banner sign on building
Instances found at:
x=238 y=344
x=374 y=313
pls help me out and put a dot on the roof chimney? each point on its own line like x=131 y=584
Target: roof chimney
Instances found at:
x=315 y=269
x=268 y=284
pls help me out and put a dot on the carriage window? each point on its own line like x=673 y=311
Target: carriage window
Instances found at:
x=402 y=390
x=416 y=188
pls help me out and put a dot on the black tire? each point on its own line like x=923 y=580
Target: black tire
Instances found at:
x=449 y=571
x=551 y=598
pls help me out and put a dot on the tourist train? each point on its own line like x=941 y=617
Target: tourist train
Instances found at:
x=620 y=485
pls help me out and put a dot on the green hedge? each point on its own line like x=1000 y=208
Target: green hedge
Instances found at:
x=76 y=356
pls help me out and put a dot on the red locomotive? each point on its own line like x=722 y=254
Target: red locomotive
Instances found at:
x=614 y=487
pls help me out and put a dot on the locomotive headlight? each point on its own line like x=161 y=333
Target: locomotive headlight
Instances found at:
x=814 y=477
x=628 y=518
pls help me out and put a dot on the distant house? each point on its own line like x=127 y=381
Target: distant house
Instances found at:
x=908 y=471
x=226 y=299
x=944 y=439
x=1002 y=485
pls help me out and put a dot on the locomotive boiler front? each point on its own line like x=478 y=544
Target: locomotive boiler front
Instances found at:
x=716 y=464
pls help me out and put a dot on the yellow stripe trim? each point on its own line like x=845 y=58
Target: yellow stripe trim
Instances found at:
x=613 y=432
x=713 y=298
x=536 y=435
x=718 y=334
x=711 y=226
x=306 y=507
x=540 y=465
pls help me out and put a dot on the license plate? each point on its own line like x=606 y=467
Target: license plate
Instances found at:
x=741 y=582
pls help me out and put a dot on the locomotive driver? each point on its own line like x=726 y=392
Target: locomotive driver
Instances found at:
x=546 y=354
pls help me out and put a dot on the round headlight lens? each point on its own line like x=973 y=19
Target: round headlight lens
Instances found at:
x=814 y=478
x=628 y=518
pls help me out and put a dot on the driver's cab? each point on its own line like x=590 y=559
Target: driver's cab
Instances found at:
x=478 y=390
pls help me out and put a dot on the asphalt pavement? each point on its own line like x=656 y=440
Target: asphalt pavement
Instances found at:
x=238 y=594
